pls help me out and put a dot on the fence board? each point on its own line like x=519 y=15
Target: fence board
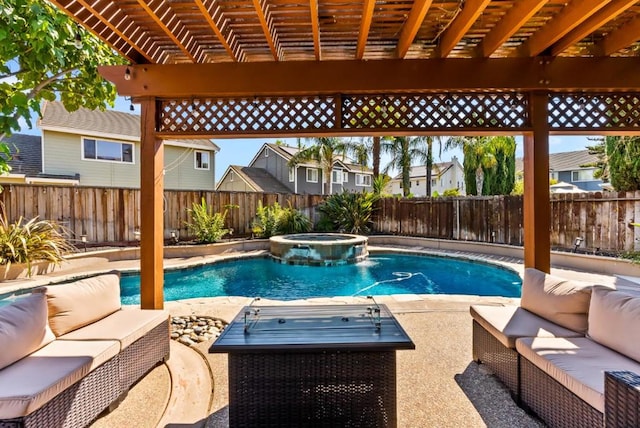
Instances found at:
x=112 y=215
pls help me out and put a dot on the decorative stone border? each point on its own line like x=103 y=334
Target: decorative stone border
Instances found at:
x=192 y=329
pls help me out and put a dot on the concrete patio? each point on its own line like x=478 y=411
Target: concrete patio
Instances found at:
x=438 y=384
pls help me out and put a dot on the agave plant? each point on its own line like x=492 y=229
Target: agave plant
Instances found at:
x=32 y=241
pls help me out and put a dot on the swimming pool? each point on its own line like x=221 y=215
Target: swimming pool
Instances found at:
x=377 y=275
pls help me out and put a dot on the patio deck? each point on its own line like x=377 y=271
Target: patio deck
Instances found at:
x=438 y=383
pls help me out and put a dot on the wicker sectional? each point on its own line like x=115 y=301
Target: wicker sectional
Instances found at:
x=82 y=362
x=568 y=380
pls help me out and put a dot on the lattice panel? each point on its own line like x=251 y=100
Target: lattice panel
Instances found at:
x=234 y=116
x=435 y=111
x=593 y=111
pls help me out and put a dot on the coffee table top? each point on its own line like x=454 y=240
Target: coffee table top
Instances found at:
x=313 y=327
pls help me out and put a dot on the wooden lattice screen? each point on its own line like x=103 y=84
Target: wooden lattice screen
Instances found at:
x=500 y=111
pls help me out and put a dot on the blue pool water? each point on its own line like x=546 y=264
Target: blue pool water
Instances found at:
x=379 y=274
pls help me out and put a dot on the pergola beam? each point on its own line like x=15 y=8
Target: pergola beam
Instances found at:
x=365 y=25
x=510 y=23
x=385 y=76
x=411 y=26
x=315 y=29
x=595 y=21
x=621 y=38
x=571 y=16
x=471 y=10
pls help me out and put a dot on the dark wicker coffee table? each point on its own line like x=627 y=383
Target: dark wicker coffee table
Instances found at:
x=304 y=366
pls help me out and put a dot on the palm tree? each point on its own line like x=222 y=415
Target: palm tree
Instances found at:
x=325 y=151
x=376 y=156
x=478 y=156
x=401 y=150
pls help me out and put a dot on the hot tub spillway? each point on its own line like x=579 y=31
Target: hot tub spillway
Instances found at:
x=319 y=249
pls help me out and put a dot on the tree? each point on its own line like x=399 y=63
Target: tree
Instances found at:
x=403 y=150
x=602 y=162
x=44 y=55
x=477 y=159
x=376 y=156
x=500 y=180
x=624 y=162
x=325 y=151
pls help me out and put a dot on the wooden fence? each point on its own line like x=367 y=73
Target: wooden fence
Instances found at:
x=113 y=215
x=105 y=215
x=602 y=219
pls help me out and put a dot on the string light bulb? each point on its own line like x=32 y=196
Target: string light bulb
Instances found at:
x=78 y=40
x=127 y=74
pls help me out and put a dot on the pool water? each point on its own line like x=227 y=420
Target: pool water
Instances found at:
x=377 y=275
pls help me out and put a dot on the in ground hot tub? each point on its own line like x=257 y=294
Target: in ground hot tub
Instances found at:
x=319 y=249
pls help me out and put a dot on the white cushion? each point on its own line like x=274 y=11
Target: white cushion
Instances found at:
x=125 y=326
x=561 y=301
x=578 y=363
x=614 y=321
x=23 y=328
x=507 y=323
x=82 y=302
x=35 y=380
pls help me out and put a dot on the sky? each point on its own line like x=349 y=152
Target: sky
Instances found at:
x=241 y=151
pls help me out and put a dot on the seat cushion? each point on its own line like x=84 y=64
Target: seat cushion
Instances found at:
x=30 y=383
x=556 y=299
x=126 y=326
x=23 y=328
x=614 y=321
x=82 y=302
x=578 y=363
x=507 y=323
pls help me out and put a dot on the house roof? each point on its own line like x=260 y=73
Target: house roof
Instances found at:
x=287 y=152
x=26 y=153
x=419 y=171
x=258 y=178
x=104 y=123
x=565 y=161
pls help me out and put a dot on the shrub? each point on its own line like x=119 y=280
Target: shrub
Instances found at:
x=206 y=226
x=349 y=212
x=451 y=192
x=292 y=221
x=33 y=241
x=275 y=220
x=266 y=222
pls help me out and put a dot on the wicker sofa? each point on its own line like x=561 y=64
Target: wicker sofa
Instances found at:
x=570 y=352
x=74 y=351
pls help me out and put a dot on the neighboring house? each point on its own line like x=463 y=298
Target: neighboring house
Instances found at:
x=566 y=168
x=444 y=176
x=102 y=148
x=272 y=163
x=26 y=160
x=247 y=179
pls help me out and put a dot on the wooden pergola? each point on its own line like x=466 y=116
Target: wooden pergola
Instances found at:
x=249 y=68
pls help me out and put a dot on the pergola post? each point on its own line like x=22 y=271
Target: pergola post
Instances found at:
x=151 y=209
x=537 y=207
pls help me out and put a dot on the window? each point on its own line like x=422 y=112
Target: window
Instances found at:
x=363 y=180
x=109 y=151
x=434 y=182
x=202 y=159
x=312 y=175
x=345 y=177
x=336 y=176
x=292 y=174
x=266 y=152
x=582 y=175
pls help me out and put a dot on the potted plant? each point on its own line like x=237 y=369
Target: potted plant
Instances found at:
x=34 y=246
